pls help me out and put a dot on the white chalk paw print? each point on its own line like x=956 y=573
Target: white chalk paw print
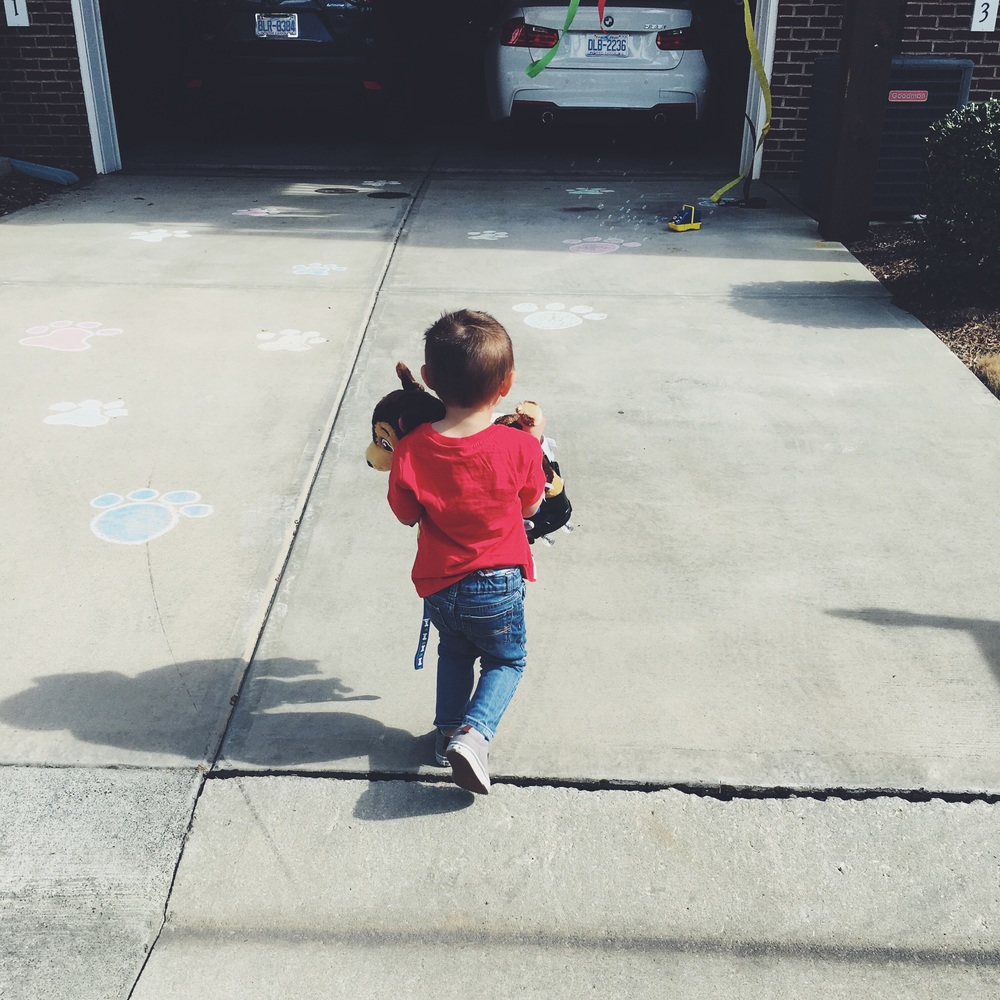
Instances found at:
x=556 y=316
x=66 y=335
x=89 y=413
x=159 y=235
x=584 y=190
x=316 y=268
x=289 y=340
x=598 y=244
x=487 y=234
x=143 y=515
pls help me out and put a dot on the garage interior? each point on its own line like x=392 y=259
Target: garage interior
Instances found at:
x=437 y=114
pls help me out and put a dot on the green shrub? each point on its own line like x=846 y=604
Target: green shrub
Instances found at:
x=963 y=194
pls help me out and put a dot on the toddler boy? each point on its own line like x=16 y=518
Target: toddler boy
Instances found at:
x=469 y=483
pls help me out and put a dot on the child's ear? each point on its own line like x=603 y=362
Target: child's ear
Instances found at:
x=426 y=377
x=507 y=384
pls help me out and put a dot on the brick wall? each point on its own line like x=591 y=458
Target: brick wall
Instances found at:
x=810 y=28
x=942 y=29
x=43 y=117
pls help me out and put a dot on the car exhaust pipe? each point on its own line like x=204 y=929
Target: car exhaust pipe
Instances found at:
x=548 y=117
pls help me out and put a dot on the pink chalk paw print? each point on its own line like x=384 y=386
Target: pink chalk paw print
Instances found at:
x=598 y=244
x=143 y=515
x=66 y=335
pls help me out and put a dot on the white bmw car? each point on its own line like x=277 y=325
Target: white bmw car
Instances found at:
x=636 y=58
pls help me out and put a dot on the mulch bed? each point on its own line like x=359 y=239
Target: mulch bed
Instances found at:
x=964 y=316
x=19 y=191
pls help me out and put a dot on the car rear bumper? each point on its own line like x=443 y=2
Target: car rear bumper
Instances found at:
x=625 y=89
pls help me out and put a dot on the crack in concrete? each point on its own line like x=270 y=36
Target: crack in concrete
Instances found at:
x=723 y=793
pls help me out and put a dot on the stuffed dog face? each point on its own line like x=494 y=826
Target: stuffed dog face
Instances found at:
x=397 y=414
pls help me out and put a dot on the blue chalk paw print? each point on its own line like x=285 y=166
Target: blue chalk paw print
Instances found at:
x=143 y=515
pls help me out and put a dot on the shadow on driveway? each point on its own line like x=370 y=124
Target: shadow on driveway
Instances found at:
x=805 y=303
x=152 y=712
x=985 y=631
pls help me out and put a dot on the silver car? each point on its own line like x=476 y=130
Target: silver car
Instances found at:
x=640 y=58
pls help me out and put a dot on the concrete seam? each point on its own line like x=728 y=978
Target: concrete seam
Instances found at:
x=288 y=547
x=326 y=437
x=170 y=889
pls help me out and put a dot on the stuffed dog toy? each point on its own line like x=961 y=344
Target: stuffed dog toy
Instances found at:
x=404 y=409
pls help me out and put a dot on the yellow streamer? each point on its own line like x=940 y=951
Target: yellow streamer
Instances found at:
x=765 y=87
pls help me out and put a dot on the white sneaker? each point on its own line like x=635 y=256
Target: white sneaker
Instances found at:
x=468 y=752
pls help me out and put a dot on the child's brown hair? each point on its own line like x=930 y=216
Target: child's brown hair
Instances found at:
x=468 y=356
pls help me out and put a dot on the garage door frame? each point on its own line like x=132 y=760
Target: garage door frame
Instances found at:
x=96 y=85
x=765 y=25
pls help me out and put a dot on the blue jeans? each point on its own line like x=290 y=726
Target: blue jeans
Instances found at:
x=481 y=616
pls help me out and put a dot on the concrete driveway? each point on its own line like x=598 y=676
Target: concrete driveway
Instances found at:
x=754 y=752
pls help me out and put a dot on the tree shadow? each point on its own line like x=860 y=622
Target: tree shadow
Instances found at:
x=985 y=631
x=183 y=710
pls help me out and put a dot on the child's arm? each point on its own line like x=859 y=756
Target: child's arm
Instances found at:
x=406 y=509
x=533 y=509
x=403 y=501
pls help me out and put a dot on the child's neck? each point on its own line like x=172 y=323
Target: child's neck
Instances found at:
x=464 y=421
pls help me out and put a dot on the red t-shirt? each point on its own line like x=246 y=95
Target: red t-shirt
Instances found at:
x=468 y=494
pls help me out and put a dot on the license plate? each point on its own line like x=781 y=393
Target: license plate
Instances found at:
x=607 y=45
x=277 y=26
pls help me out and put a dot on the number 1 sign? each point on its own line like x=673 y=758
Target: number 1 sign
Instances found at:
x=984 y=15
x=17 y=12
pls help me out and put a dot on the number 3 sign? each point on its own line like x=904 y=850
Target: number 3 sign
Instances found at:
x=984 y=15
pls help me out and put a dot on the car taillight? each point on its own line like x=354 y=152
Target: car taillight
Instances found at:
x=677 y=39
x=515 y=32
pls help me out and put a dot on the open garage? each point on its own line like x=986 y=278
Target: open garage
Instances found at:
x=181 y=96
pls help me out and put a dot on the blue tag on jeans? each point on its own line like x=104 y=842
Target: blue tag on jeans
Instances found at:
x=425 y=631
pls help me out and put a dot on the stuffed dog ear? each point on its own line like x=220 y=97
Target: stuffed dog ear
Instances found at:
x=410 y=384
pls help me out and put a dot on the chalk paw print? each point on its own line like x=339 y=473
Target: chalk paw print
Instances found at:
x=598 y=244
x=66 y=335
x=487 y=234
x=316 y=268
x=289 y=340
x=159 y=235
x=584 y=190
x=89 y=413
x=258 y=211
x=556 y=316
x=142 y=515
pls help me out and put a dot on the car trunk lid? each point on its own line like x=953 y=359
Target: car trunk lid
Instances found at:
x=635 y=26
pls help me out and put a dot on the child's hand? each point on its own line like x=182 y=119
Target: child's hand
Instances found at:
x=531 y=418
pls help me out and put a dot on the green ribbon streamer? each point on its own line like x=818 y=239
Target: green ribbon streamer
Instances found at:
x=539 y=64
